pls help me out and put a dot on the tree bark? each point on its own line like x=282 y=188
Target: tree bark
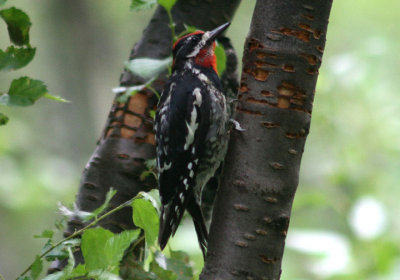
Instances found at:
x=128 y=139
x=283 y=53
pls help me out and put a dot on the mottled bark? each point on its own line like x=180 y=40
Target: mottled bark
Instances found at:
x=128 y=140
x=283 y=53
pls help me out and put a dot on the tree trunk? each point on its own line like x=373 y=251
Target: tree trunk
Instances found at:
x=128 y=140
x=283 y=53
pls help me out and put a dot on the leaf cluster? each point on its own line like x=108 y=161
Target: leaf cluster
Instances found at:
x=103 y=251
x=23 y=91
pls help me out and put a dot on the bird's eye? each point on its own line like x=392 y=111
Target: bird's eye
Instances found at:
x=195 y=39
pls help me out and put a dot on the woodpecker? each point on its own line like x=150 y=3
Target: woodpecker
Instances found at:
x=191 y=128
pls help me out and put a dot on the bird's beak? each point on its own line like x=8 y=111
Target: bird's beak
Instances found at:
x=217 y=31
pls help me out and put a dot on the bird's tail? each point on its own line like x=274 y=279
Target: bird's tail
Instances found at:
x=199 y=225
x=171 y=216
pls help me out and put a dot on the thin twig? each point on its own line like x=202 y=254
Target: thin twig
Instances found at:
x=137 y=242
x=76 y=233
x=153 y=90
x=171 y=26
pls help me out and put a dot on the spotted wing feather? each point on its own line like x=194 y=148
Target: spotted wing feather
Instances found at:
x=181 y=127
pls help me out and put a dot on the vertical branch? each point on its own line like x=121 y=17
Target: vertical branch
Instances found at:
x=283 y=53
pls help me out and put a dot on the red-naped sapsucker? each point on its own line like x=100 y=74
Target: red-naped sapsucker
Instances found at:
x=191 y=128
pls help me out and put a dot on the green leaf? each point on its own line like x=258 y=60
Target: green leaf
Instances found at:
x=78 y=271
x=94 y=255
x=151 y=163
x=23 y=92
x=71 y=261
x=221 y=59
x=178 y=263
x=138 y=5
x=126 y=92
x=61 y=251
x=18 y=25
x=3 y=119
x=67 y=271
x=123 y=98
x=152 y=114
x=47 y=246
x=15 y=58
x=145 y=216
x=58 y=253
x=148 y=67
x=56 y=98
x=133 y=268
x=47 y=233
x=117 y=245
x=37 y=267
x=161 y=272
x=167 y=4
x=24 y=278
x=60 y=275
x=59 y=224
x=103 y=275
x=109 y=254
x=154 y=197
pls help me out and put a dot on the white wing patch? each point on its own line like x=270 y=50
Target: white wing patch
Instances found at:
x=197 y=95
x=192 y=126
x=182 y=197
x=165 y=167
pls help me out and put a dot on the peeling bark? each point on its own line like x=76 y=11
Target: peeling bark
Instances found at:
x=128 y=138
x=283 y=53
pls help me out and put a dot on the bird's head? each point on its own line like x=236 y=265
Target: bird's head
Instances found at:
x=199 y=47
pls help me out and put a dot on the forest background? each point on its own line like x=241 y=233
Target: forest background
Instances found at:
x=345 y=217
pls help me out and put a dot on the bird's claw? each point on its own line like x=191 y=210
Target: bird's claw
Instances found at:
x=236 y=125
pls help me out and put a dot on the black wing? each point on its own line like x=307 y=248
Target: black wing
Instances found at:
x=182 y=123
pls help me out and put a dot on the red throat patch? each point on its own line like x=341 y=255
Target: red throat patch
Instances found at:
x=206 y=58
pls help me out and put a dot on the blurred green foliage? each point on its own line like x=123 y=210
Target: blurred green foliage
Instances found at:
x=344 y=223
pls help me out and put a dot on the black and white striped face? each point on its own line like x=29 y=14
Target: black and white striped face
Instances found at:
x=189 y=45
x=196 y=43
